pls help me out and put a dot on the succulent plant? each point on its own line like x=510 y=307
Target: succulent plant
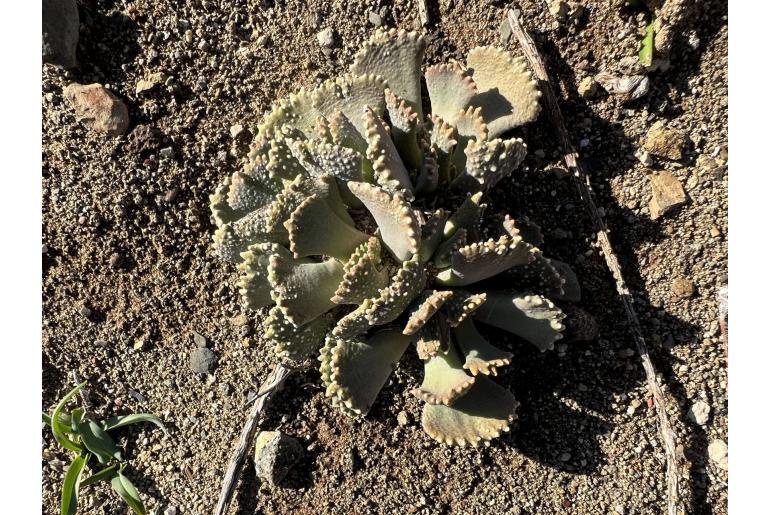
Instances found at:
x=358 y=222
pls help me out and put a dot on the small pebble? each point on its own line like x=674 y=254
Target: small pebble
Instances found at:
x=402 y=418
x=718 y=453
x=699 y=412
x=200 y=340
x=666 y=142
x=375 y=19
x=682 y=287
x=275 y=453
x=588 y=87
x=236 y=130
x=326 y=37
x=98 y=108
x=115 y=260
x=202 y=360
x=715 y=232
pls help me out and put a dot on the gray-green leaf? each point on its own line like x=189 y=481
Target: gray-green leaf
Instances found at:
x=69 y=491
x=125 y=420
x=98 y=441
x=128 y=492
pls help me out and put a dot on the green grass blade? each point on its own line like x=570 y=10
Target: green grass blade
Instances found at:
x=57 y=426
x=125 y=420
x=108 y=473
x=648 y=44
x=98 y=441
x=69 y=490
x=128 y=492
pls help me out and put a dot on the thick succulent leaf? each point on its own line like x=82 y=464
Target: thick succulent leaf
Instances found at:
x=320 y=158
x=325 y=359
x=450 y=90
x=479 y=261
x=444 y=379
x=252 y=283
x=359 y=369
x=524 y=227
x=298 y=111
x=427 y=172
x=539 y=275
x=487 y=162
x=248 y=192
x=295 y=342
x=389 y=170
x=570 y=285
x=345 y=134
x=481 y=414
x=405 y=286
x=221 y=211
x=316 y=230
x=354 y=323
x=428 y=340
x=404 y=123
x=294 y=194
x=442 y=258
x=323 y=129
x=396 y=56
x=279 y=114
x=429 y=302
x=462 y=305
x=349 y=95
x=468 y=217
x=507 y=93
x=443 y=138
x=470 y=126
x=532 y=317
x=432 y=232
x=364 y=275
x=234 y=238
x=281 y=163
x=481 y=357
x=399 y=229
x=303 y=291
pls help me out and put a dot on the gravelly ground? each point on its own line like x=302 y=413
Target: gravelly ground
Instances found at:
x=128 y=237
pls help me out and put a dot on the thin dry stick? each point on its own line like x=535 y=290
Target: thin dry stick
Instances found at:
x=422 y=10
x=272 y=384
x=85 y=395
x=582 y=181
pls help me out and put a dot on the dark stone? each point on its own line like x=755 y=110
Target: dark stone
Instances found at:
x=61 y=29
x=202 y=360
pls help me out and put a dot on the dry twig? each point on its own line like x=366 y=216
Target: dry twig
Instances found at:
x=272 y=384
x=422 y=10
x=582 y=181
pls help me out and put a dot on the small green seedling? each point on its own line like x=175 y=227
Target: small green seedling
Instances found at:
x=90 y=440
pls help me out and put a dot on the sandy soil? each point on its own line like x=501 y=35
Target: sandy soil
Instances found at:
x=128 y=234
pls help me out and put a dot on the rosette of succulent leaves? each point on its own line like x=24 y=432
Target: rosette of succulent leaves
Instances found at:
x=357 y=222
